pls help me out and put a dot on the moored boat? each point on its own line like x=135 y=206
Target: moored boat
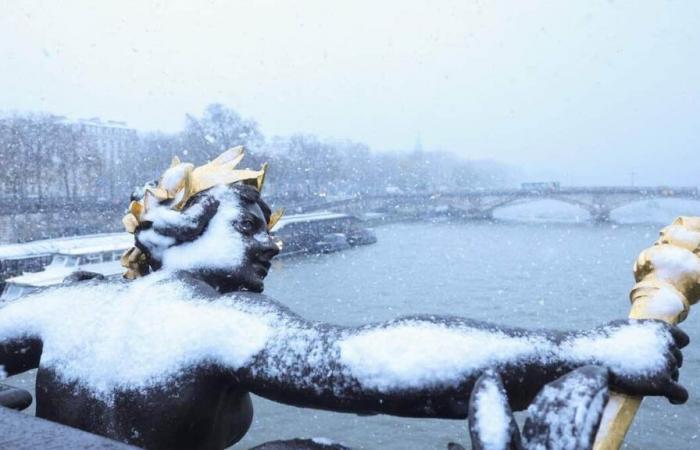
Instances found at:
x=103 y=259
x=321 y=232
x=35 y=255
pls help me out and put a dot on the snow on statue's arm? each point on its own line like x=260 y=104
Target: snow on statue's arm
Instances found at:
x=21 y=344
x=426 y=366
x=21 y=323
x=20 y=331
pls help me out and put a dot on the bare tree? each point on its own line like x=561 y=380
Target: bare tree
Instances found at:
x=218 y=129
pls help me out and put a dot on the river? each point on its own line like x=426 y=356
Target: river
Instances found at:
x=561 y=276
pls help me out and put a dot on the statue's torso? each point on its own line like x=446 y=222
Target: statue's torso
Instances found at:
x=202 y=409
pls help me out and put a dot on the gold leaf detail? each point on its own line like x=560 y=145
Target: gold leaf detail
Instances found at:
x=274 y=218
x=130 y=223
x=182 y=181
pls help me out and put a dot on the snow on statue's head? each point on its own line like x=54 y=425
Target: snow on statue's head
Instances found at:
x=208 y=220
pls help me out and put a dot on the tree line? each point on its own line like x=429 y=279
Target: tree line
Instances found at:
x=45 y=157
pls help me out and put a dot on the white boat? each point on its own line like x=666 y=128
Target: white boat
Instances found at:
x=34 y=255
x=321 y=232
x=102 y=259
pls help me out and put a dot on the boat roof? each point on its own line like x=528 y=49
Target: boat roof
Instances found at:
x=107 y=247
x=309 y=217
x=40 y=279
x=46 y=247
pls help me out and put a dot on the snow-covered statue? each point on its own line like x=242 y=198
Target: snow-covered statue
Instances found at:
x=167 y=359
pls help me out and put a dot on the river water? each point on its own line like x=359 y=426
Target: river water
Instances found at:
x=561 y=276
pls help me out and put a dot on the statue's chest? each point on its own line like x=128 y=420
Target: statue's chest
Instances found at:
x=201 y=409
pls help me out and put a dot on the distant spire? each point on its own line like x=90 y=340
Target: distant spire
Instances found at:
x=418 y=146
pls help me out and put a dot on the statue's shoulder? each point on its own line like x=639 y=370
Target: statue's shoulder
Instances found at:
x=257 y=301
x=239 y=299
x=198 y=287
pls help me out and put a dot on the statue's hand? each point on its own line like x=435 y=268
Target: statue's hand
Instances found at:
x=643 y=356
x=83 y=275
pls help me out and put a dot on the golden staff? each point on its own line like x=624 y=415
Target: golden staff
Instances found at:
x=668 y=283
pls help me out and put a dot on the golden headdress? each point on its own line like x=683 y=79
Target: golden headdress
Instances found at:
x=180 y=183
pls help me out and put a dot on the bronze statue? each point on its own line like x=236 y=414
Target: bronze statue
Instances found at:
x=168 y=360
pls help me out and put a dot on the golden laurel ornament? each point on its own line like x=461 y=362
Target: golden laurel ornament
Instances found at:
x=179 y=183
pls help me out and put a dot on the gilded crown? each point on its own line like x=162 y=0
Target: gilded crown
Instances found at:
x=181 y=182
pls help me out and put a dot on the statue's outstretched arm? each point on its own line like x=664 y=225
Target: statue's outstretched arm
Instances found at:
x=427 y=366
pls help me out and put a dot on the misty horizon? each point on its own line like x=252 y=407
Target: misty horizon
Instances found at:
x=586 y=94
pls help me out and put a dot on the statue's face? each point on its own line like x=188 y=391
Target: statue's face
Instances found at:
x=259 y=249
x=233 y=250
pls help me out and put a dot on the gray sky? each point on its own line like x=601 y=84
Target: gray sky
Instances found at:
x=585 y=92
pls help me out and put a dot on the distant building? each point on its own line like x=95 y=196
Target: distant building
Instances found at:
x=113 y=140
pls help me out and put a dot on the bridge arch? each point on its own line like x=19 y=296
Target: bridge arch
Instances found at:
x=599 y=202
x=540 y=208
x=656 y=209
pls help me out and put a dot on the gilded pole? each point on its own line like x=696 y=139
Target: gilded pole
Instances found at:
x=667 y=279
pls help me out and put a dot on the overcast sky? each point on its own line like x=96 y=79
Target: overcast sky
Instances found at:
x=586 y=92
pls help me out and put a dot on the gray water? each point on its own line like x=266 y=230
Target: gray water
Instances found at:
x=561 y=276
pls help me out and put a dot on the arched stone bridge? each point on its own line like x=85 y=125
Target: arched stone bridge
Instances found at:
x=599 y=202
